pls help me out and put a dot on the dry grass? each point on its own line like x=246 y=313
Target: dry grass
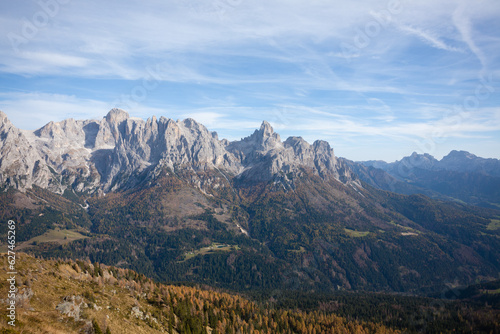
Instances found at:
x=60 y=236
x=110 y=296
x=51 y=282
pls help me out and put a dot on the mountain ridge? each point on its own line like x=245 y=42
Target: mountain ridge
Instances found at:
x=101 y=156
x=461 y=161
x=458 y=176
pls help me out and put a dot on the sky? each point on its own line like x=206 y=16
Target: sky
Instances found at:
x=376 y=79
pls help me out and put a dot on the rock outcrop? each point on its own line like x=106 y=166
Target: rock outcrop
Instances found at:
x=71 y=306
x=21 y=165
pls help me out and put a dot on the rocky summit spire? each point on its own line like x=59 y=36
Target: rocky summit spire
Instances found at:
x=116 y=115
x=266 y=129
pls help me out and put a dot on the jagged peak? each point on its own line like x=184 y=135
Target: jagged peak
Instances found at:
x=264 y=134
x=165 y=120
x=322 y=145
x=117 y=115
x=46 y=129
x=266 y=128
x=190 y=123
x=3 y=118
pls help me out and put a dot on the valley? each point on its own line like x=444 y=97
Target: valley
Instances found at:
x=262 y=217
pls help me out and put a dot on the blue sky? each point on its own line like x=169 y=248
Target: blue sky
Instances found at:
x=376 y=79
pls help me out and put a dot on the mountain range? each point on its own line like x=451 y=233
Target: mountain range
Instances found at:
x=171 y=200
x=459 y=176
x=118 y=152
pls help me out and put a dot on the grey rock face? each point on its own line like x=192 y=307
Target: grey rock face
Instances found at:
x=264 y=156
x=21 y=165
x=119 y=151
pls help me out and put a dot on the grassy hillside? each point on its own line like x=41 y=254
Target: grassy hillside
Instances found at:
x=58 y=296
x=65 y=296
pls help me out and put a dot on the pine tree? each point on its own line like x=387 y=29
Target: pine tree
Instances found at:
x=97 y=329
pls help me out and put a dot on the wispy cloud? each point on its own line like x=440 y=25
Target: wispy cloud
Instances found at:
x=429 y=38
x=463 y=24
x=36 y=63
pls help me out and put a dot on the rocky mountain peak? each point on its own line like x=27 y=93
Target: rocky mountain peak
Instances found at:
x=5 y=125
x=298 y=144
x=322 y=147
x=256 y=145
x=20 y=164
x=459 y=155
x=464 y=161
x=424 y=156
x=266 y=138
x=117 y=115
x=423 y=161
x=190 y=123
x=3 y=116
x=266 y=129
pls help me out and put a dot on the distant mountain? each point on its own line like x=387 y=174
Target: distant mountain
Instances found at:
x=172 y=201
x=459 y=161
x=458 y=176
x=465 y=162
